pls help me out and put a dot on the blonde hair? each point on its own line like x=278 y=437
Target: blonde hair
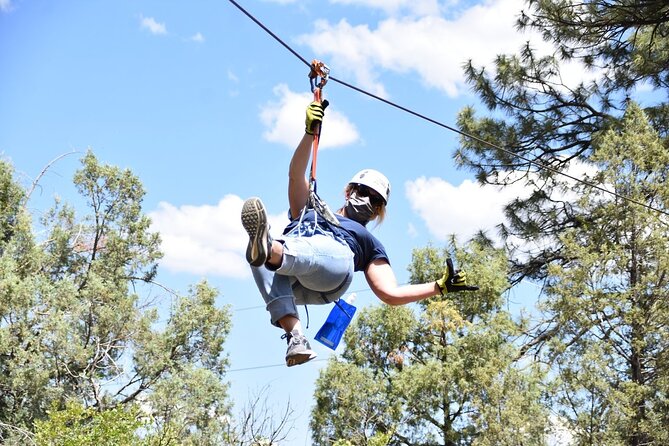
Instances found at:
x=380 y=214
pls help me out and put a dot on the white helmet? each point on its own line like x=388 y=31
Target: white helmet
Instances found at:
x=373 y=179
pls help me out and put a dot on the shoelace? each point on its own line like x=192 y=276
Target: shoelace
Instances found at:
x=287 y=337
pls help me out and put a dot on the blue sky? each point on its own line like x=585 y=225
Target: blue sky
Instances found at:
x=206 y=108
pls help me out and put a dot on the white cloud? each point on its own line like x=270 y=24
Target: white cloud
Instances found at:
x=284 y=120
x=430 y=45
x=5 y=5
x=197 y=37
x=154 y=27
x=462 y=210
x=206 y=240
x=417 y=7
x=465 y=209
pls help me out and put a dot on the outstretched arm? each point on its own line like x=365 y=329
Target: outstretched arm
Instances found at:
x=383 y=283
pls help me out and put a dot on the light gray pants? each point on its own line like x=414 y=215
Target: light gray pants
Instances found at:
x=317 y=269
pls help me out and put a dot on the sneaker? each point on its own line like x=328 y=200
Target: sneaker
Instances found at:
x=254 y=220
x=299 y=351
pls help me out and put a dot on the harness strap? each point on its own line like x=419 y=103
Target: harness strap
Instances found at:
x=317 y=70
x=324 y=294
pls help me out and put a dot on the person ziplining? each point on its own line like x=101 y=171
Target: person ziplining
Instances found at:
x=313 y=262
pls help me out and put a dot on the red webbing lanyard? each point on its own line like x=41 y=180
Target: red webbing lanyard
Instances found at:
x=318 y=69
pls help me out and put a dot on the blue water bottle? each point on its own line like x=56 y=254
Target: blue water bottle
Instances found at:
x=335 y=325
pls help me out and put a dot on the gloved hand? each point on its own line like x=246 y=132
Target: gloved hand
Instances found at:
x=453 y=281
x=315 y=112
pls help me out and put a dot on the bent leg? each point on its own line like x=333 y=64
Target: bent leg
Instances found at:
x=277 y=293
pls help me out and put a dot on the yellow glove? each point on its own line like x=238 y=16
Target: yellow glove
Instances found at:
x=453 y=281
x=315 y=112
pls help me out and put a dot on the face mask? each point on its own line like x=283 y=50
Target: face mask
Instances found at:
x=359 y=208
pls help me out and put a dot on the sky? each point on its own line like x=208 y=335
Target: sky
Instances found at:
x=205 y=108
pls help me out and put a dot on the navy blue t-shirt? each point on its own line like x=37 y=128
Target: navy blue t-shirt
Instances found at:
x=366 y=248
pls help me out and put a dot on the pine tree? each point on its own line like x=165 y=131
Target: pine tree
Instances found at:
x=607 y=318
x=542 y=126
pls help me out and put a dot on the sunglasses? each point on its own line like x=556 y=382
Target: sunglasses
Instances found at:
x=374 y=197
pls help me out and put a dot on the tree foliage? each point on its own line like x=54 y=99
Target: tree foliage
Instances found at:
x=75 y=328
x=76 y=425
x=445 y=374
x=541 y=125
x=599 y=243
x=625 y=38
x=607 y=312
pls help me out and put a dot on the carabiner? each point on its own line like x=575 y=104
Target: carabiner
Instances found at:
x=318 y=68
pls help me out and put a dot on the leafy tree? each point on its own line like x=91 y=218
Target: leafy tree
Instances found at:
x=607 y=326
x=442 y=374
x=80 y=426
x=541 y=126
x=122 y=425
x=74 y=327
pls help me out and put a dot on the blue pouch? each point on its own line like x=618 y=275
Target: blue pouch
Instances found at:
x=333 y=329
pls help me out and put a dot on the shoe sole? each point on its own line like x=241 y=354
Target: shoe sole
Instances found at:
x=254 y=220
x=300 y=358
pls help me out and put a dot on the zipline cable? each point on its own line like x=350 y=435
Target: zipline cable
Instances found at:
x=269 y=366
x=537 y=164
x=268 y=31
